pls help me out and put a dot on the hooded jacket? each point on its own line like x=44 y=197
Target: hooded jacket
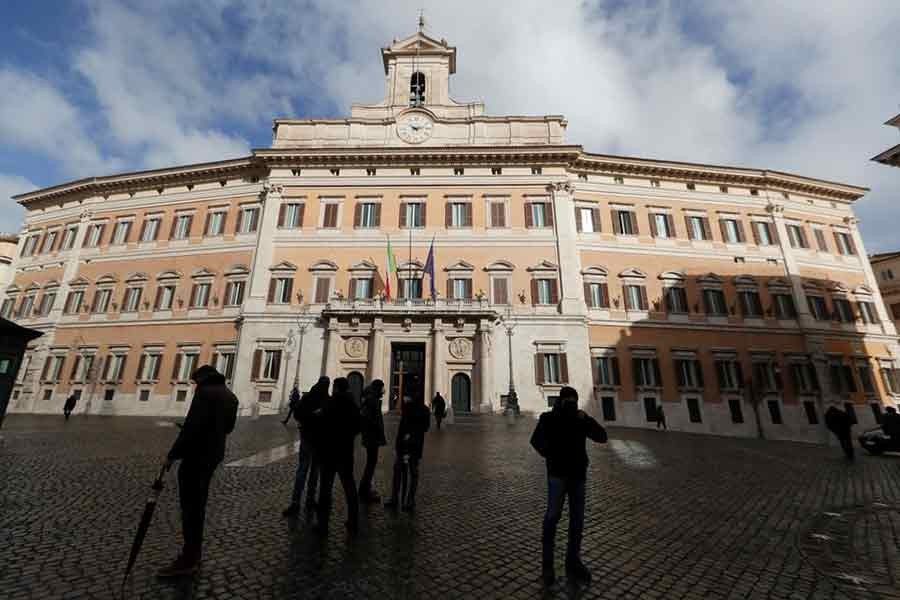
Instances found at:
x=210 y=419
x=560 y=437
x=309 y=412
x=372 y=419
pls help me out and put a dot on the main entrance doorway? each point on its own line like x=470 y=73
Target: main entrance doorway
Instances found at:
x=408 y=362
x=461 y=393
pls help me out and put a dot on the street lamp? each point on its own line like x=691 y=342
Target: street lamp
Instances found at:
x=512 y=400
x=302 y=325
x=288 y=342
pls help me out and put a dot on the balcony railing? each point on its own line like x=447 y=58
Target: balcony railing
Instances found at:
x=401 y=305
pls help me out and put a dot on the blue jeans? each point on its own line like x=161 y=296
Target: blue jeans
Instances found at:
x=557 y=490
x=307 y=463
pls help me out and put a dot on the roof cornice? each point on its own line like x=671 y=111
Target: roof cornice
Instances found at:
x=438 y=155
x=890 y=157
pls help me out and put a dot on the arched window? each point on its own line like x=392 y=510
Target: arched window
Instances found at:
x=417 y=89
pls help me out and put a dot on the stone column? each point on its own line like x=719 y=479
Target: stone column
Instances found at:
x=790 y=266
x=887 y=323
x=332 y=347
x=484 y=368
x=438 y=362
x=571 y=292
x=376 y=353
x=264 y=253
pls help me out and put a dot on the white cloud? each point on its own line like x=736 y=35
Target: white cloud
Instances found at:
x=12 y=215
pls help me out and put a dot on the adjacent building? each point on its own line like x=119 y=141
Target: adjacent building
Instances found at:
x=725 y=294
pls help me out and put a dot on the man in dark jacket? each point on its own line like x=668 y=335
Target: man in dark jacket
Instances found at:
x=838 y=422
x=201 y=447
x=341 y=423
x=308 y=414
x=372 y=437
x=415 y=421
x=69 y=406
x=439 y=408
x=890 y=423
x=293 y=404
x=560 y=438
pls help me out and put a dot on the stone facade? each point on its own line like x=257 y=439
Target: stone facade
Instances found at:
x=718 y=292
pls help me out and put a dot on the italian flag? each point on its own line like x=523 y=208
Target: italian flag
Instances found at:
x=391 y=269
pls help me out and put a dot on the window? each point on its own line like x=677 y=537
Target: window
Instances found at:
x=887 y=274
x=751 y=306
x=114 y=367
x=841 y=378
x=323 y=289
x=820 y=239
x=412 y=215
x=73 y=302
x=334 y=172
x=662 y=225
x=52 y=368
x=6 y=309
x=729 y=374
x=714 y=301
x=47 y=302
x=766 y=376
x=587 y=220
x=732 y=231
x=459 y=289
x=459 y=171
x=867 y=312
x=536 y=170
x=843 y=310
x=94 y=235
x=109 y=394
x=500 y=289
x=544 y=291
x=538 y=214
x=26 y=306
x=368 y=215
x=101 y=301
x=266 y=364
x=754 y=192
x=691 y=186
x=895 y=310
x=417 y=89
x=185 y=365
x=69 y=237
x=698 y=227
x=723 y=189
x=865 y=378
x=215 y=223
x=890 y=379
x=762 y=232
x=181 y=396
x=121 y=231
x=498 y=214
x=737 y=414
x=811 y=416
x=144 y=396
x=844 y=243
x=234 y=292
x=81 y=368
x=361 y=288
x=150 y=228
x=370 y=172
x=148 y=368
x=551 y=368
x=804 y=376
x=654 y=183
x=181 y=227
x=280 y=289
x=784 y=306
x=774 y=412
x=30 y=244
x=248 y=219
x=330 y=215
x=635 y=297
x=796 y=236
x=50 y=241
x=165 y=294
x=606 y=370
x=200 y=295
x=596 y=295
x=618 y=179
x=646 y=372
x=132 y=299
x=689 y=373
x=817 y=307
x=458 y=214
x=608 y=406
x=411 y=288
x=415 y=171
x=224 y=363
x=693 y=405
x=496 y=171
x=676 y=300
x=624 y=222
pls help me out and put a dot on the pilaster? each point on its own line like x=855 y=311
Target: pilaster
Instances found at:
x=438 y=368
x=484 y=368
x=332 y=347
x=790 y=265
x=571 y=292
x=887 y=323
x=263 y=255
x=376 y=352
x=70 y=270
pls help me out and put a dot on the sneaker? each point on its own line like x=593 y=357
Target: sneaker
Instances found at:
x=577 y=570
x=180 y=568
x=291 y=510
x=548 y=576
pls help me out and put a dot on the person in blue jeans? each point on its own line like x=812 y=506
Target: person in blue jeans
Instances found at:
x=560 y=437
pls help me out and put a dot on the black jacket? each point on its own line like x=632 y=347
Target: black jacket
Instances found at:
x=372 y=420
x=341 y=425
x=890 y=424
x=838 y=422
x=211 y=417
x=415 y=421
x=560 y=438
x=439 y=406
x=308 y=414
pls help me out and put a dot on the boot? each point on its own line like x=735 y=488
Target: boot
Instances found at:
x=576 y=570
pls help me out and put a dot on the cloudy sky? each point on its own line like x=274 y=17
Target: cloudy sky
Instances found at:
x=91 y=88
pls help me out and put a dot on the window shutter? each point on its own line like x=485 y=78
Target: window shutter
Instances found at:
x=754 y=227
x=837 y=242
x=172 y=228
x=644 y=304
x=468 y=289
x=176 y=366
x=723 y=231
x=58 y=241
x=94 y=300
x=289 y=289
x=271 y=296
x=850 y=244
x=257 y=361
x=604 y=295
x=773 y=231
x=276 y=365
x=539 y=368
x=548 y=214
x=500 y=219
x=653 y=230
x=140 y=370
x=403 y=214
x=75 y=364
x=578 y=227
x=378 y=214
x=554 y=292
x=357 y=214
x=321 y=290
x=534 y=291
x=351 y=289
x=121 y=374
x=699 y=372
x=448 y=214
x=193 y=295
x=424 y=207
x=105 y=373
x=687 y=223
x=707 y=234
x=45 y=369
x=301 y=212
x=563 y=368
x=739 y=226
x=635 y=230
x=239 y=221
x=656 y=374
x=739 y=373
x=636 y=373
x=449 y=288
x=616 y=226
x=595 y=215
x=614 y=362
x=206 y=223
x=100 y=237
x=68 y=306
x=501 y=291
x=587 y=295
x=529 y=221
x=468 y=213
x=679 y=373
x=595 y=371
x=281 y=212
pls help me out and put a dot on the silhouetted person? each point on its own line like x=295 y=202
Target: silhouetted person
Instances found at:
x=293 y=404
x=341 y=423
x=661 y=418
x=890 y=423
x=415 y=421
x=69 y=406
x=201 y=447
x=372 y=422
x=560 y=438
x=439 y=408
x=308 y=414
x=839 y=423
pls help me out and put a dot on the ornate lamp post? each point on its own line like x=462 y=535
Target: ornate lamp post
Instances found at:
x=512 y=401
x=288 y=344
x=302 y=325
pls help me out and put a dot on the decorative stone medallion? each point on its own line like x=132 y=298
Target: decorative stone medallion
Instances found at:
x=460 y=348
x=355 y=347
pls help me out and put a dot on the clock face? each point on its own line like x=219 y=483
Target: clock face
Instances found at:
x=415 y=128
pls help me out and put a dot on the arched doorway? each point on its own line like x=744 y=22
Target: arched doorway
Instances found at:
x=356 y=381
x=461 y=393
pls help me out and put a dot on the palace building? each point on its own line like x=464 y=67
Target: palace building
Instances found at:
x=739 y=299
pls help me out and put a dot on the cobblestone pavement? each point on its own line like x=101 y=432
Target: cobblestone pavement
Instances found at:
x=669 y=516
